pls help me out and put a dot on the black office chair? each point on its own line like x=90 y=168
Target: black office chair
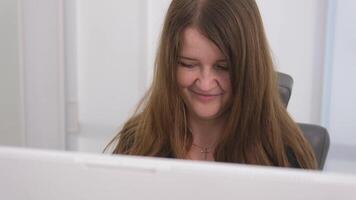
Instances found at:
x=317 y=136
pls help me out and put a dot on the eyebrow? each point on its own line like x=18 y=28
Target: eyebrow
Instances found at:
x=193 y=59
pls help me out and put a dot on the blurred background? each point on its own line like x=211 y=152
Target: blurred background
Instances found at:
x=72 y=71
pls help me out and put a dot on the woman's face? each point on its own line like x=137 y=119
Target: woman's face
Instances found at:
x=203 y=76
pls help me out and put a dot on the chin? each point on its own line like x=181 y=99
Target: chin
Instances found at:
x=206 y=115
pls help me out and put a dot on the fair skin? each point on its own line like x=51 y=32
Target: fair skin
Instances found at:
x=204 y=83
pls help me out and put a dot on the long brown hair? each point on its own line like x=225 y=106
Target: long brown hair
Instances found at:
x=259 y=130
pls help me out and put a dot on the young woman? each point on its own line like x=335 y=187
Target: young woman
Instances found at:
x=214 y=94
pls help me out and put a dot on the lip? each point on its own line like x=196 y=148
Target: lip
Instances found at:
x=205 y=97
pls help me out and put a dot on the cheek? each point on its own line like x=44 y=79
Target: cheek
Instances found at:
x=184 y=78
x=225 y=82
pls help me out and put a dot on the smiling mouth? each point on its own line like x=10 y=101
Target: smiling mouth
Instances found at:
x=205 y=97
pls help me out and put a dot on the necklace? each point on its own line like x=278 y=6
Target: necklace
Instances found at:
x=204 y=150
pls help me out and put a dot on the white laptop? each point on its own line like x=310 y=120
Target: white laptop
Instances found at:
x=49 y=175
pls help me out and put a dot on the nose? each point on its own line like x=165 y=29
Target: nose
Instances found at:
x=207 y=79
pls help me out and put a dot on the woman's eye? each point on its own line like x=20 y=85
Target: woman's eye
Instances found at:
x=222 y=67
x=186 y=65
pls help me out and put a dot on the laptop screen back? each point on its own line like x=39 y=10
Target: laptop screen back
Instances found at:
x=42 y=175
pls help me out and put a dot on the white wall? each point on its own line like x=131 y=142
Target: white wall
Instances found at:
x=296 y=32
x=42 y=68
x=32 y=106
x=156 y=11
x=111 y=67
x=342 y=116
x=10 y=100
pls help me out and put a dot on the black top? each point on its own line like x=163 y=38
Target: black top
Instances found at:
x=292 y=159
x=290 y=155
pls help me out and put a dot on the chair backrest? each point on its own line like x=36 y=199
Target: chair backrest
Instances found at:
x=317 y=136
x=285 y=85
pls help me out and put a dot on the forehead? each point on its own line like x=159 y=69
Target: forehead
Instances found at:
x=196 y=45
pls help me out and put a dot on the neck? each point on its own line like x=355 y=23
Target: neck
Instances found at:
x=206 y=132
